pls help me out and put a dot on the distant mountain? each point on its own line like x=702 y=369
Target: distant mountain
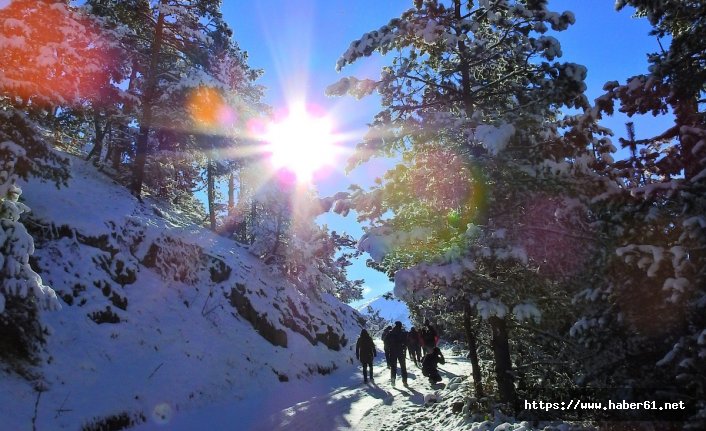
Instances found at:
x=390 y=309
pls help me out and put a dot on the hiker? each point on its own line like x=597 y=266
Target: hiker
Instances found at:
x=414 y=346
x=430 y=363
x=365 y=352
x=429 y=337
x=385 y=345
x=397 y=340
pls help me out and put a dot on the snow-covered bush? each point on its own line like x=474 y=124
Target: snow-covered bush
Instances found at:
x=21 y=289
x=16 y=246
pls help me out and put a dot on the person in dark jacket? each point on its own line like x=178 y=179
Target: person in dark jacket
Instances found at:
x=414 y=346
x=397 y=342
x=429 y=337
x=365 y=352
x=430 y=365
x=385 y=346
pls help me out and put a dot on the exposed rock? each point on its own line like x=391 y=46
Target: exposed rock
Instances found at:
x=264 y=327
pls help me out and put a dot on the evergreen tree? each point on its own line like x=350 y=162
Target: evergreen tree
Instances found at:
x=472 y=107
x=177 y=32
x=646 y=313
x=51 y=56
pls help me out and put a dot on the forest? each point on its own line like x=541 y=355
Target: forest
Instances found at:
x=569 y=263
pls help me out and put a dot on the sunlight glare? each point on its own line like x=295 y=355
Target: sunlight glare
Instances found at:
x=301 y=142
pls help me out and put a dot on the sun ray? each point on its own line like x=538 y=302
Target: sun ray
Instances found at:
x=301 y=142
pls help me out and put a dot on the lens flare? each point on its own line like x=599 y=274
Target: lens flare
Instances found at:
x=162 y=414
x=208 y=108
x=51 y=54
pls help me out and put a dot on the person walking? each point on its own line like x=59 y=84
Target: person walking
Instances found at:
x=397 y=342
x=386 y=347
x=414 y=346
x=430 y=365
x=429 y=337
x=365 y=352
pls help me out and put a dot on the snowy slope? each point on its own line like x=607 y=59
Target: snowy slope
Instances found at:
x=390 y=309
x=160 y=316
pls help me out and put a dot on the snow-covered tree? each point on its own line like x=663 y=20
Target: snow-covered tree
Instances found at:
x=374 y=322
x=17 y=279
x=176 y=32
x=51 y=56
x=646 y=314
x=189 y=92
x=491 y=171
x=285 y=234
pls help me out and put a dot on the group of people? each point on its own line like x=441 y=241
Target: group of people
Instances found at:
x=397 y=342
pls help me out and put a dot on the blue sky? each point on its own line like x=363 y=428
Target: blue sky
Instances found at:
x=298 y=42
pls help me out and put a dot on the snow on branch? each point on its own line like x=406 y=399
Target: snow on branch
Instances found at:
x=413 y=282
x=378 y=242
x=355 y=87
x=494 y=139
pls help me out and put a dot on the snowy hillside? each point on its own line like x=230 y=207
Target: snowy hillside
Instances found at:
x=159 y=315
x=389 y=309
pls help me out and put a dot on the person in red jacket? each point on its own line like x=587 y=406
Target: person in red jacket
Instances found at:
x=365 y=352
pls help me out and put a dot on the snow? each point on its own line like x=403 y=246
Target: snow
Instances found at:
x=491 y=307
x=378 y=242
x=495 y=139
x=178 y=345
x=341 y=401
x=526 y=311
x=677 y=286
x=357 y=88
x=63 y=209
x=550 y=45
x=411 y=282
x=701 y=341
x=669 y=357
x=180 y=358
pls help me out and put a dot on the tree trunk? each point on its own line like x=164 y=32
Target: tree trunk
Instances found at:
x=472 y=349
x=278 y=235
x=116 y=146
x=210 y=191
x=147 y=101
x=503 y=363
x=231 y=194
x=99 y=137
x=687 y=114
x=116 y=149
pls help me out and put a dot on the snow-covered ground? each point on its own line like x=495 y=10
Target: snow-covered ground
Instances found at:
x=159 y=316
x=167 y=326
x=341 y=401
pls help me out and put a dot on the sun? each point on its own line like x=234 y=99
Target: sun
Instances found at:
x=301 y=142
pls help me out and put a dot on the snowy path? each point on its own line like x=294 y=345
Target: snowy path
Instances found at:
x=340 y=401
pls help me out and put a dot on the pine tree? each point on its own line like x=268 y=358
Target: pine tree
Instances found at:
x=34 y=83
x=647 y=311
x=177 y=33
x=51 y=55
x=472 y=107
